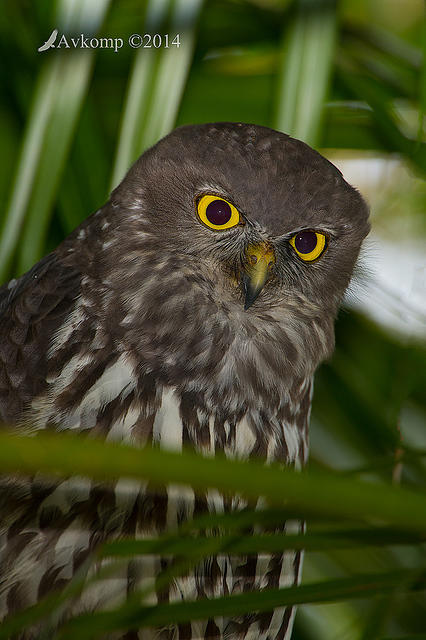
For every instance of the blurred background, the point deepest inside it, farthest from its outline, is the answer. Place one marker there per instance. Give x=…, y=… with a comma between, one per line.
x=347, y=77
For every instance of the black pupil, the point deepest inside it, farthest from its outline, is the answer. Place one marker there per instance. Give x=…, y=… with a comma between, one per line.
x=305, y=241
x=218, y=212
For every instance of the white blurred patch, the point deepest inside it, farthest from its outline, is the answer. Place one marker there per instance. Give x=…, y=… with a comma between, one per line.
x=391, y=288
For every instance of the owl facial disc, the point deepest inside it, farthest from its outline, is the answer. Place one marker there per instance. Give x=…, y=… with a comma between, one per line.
x=259, y=262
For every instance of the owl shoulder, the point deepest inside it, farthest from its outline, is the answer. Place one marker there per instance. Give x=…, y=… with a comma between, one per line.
x=32, y=308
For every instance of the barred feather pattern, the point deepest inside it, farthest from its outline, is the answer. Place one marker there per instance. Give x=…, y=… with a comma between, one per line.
x=134, y=330
x=53, y=528
x=49, y=530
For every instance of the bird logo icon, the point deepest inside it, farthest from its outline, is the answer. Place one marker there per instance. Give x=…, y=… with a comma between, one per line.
x=49, y=42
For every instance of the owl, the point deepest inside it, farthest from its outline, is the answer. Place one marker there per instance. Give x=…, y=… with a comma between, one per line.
x=190, y=311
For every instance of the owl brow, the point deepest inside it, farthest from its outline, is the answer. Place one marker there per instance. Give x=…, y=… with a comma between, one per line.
x=214, y=191
x=325, y=230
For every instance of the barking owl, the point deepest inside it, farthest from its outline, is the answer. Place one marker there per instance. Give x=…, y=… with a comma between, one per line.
x=190, y=311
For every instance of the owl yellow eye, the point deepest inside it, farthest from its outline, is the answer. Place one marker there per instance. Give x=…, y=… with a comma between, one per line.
x=309, y=245
x=217, y=213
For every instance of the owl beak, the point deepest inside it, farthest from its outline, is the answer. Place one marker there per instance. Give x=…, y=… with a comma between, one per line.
x=259, y=261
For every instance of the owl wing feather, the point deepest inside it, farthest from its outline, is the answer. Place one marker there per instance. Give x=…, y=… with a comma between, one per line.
x=32, y=308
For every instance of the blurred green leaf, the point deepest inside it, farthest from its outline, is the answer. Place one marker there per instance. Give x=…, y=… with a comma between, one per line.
x=306, y=61
x=370, y=91
x=156, y=83
x=379, y=613
x=417, y=636
x=130, y=617
x=58, y=97
x=248, y=545
x=422, y=110
x=320, y=494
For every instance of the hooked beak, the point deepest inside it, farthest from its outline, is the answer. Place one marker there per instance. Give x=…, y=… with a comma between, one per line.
x=259, y=262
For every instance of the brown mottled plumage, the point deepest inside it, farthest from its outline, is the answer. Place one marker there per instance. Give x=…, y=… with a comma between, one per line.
x=135, y=329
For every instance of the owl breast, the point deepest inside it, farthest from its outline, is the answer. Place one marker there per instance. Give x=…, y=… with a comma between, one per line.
x=116, y=406
x=178, y=422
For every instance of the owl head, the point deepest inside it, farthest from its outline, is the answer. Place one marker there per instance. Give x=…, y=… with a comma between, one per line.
x=251, y=205
x=234, y=230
